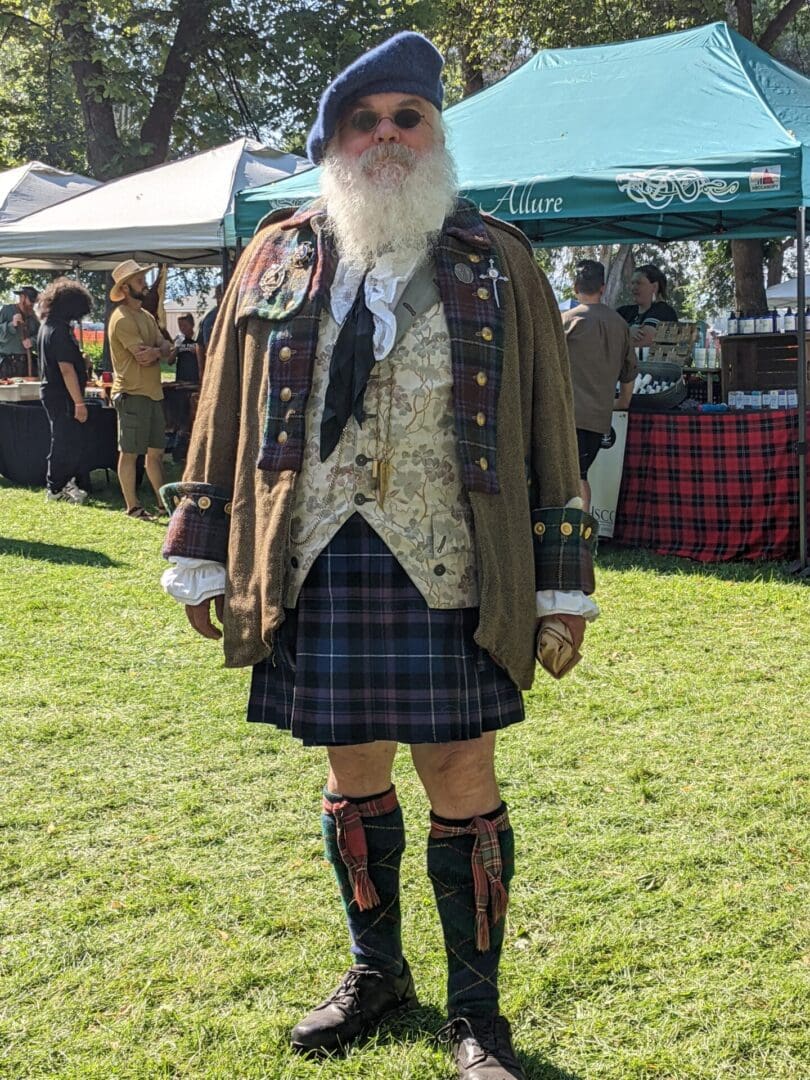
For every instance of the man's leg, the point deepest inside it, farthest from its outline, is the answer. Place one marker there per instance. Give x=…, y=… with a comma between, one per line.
x=154, y=470
x=470, y=863
x=126, y=478
x=364, y=838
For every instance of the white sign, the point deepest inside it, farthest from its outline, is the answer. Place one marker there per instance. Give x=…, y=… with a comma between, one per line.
x=605, y=475
x=657, y=188
x=767, y=179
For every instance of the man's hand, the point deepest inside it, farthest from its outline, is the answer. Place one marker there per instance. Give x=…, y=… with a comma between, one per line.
x=17, y=319
x=80, y=412
x=199, y=615
x=145, y=355
x=643, y=336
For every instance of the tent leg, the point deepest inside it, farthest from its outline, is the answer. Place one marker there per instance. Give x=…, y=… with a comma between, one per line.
x=801, y=567
x=226, y=268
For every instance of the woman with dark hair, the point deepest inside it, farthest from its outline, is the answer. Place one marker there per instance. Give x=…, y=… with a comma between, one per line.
x=63, y=375
x=649, y=289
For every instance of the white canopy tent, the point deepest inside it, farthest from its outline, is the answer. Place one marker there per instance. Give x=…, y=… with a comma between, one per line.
x=172, y=213
x=787, y=292
x=31, y=187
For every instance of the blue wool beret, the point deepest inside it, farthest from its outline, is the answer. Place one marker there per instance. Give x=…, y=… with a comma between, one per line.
x=407, y=63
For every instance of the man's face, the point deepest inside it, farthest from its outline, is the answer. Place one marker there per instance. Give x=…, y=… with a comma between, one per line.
x=137, y=287
x=26, y=305
x=354, y=138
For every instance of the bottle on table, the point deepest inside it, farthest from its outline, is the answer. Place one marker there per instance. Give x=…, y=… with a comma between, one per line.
x=790, y=321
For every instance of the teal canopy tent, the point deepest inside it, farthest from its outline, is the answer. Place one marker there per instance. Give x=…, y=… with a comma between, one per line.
x=686, y=136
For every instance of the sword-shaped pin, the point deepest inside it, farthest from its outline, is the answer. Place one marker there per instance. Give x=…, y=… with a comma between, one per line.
x=493, y=275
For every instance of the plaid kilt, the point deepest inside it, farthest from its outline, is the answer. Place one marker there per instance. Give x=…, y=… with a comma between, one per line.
x=362, y=657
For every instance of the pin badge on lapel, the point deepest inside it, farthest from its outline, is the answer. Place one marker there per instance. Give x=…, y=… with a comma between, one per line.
x=270, y=280
x=303, y=255
x=464, y=273
x=494, y=275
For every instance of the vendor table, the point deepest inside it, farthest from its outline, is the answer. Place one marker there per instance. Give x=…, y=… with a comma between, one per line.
x=711, y=487
x=25, y=440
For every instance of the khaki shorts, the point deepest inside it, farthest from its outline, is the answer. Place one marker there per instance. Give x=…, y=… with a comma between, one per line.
x=141, y=424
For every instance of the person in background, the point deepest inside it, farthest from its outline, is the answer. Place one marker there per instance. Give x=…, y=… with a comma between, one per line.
x=601, y=354
x=136, y=348
x=63, y=375
x=206, y=329
x=184, y=353
x=648, y=287
x=18, y=332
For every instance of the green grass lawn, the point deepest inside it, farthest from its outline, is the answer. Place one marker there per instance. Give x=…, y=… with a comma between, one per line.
x=165, y=910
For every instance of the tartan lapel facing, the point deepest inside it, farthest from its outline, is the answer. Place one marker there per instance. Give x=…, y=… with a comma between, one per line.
x=293, y=340
x=475, y=326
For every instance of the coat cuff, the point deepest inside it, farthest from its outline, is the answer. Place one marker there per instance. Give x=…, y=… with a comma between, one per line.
x=200, y=521
x=564, y=546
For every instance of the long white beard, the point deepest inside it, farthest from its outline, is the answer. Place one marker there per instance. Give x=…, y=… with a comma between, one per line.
x=388, y=199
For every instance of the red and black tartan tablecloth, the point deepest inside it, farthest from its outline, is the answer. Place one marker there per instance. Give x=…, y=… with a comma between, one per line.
x=711, y=486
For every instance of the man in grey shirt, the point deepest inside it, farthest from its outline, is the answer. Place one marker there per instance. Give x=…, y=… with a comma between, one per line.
x=601, y=354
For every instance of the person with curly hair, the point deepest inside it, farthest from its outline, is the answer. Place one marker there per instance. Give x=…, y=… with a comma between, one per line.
x=63, y=376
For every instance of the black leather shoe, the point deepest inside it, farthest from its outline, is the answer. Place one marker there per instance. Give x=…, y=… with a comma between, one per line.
x=356, y=1008
x=482, y=1048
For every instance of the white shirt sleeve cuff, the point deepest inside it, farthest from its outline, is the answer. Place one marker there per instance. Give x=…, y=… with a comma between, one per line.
x=193, y=581
x=556, y=602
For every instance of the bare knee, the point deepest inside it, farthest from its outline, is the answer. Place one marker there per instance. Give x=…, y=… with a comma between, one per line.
x=459, y=778
x=360, y=771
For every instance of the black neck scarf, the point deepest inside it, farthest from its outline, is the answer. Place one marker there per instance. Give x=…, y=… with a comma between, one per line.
x=349, y=369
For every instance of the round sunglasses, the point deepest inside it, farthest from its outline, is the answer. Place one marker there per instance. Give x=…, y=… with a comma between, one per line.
x=366, y=120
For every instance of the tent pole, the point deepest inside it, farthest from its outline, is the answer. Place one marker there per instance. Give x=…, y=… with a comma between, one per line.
x=226, y=268
x=801, y=365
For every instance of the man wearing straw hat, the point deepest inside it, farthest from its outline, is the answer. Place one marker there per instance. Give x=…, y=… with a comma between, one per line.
x=136, y=348
x=382, y=496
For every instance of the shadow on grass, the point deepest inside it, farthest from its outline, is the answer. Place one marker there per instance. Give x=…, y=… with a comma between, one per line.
x=615, y=557
x=55, y=553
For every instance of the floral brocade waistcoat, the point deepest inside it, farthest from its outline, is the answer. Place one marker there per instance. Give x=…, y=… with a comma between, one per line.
x=401, y=470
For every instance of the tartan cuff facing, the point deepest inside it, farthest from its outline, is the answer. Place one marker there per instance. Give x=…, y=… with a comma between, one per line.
x=564, y=546
x=200, y=521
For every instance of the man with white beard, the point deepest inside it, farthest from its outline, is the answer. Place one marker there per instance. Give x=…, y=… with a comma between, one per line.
x=381, y=497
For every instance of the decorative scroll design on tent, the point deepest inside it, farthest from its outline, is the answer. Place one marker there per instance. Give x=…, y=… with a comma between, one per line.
x=657, y=188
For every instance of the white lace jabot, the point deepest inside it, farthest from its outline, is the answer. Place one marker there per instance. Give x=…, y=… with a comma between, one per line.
x=385, y=284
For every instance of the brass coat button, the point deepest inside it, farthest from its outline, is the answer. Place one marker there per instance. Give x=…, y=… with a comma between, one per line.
x=486, y=334
x=285, y=394
x=481, y=378
x=474, y=257
x=587, y=533
x=566, y=528
x=539, y=528
x=483, y=464
x=480, y=419
x=284, y=353
x=203, y=502
x=282, y=437
x=483, y=294
x=228, y=509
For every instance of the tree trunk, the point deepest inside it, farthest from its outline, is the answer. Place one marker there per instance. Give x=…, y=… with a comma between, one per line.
x=471, y=72
x=776, y=260
x=749, y=285
x=619, y=272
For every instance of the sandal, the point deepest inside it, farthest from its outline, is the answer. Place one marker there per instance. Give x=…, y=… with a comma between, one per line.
x=140, y=514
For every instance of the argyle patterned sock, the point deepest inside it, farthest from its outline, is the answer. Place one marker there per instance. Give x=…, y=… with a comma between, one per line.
x=364, y=841
x=471, y=864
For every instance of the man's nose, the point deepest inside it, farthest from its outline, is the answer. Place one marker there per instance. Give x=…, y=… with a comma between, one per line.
x=387, y=131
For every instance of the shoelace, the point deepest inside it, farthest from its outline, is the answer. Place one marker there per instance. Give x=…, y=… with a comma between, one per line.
x=487, y=1033
x=346, y=993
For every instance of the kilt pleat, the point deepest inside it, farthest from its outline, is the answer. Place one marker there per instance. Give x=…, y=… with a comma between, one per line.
x=362, y=657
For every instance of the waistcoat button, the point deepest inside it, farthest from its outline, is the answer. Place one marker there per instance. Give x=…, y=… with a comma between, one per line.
x=480, y=419
x=486, y=333
x=282, y=437
x=294, y=562
x=286, y=393
x=360, y=498
x=439, y=570
x=284, y=353
x=481, y=378
x=361, y=460
x=483, y=464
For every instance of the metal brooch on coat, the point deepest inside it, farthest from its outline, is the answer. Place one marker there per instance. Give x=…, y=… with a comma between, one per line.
x=270, y=280
x=303, y=255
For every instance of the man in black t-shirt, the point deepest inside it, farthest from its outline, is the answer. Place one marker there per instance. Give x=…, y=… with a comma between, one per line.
x=185, y=352
x=63, y=376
